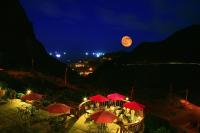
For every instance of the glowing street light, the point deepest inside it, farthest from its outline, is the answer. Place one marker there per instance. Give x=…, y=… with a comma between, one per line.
x=127, y=98
x=58, y=55
x=28, y=91
x=85, y=99
x=90, y=69
x=98, y=55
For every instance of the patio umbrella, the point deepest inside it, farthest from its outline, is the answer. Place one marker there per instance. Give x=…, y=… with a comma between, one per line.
x=103, y=117
x=116, y=97
x=58, y=108
x=32, y=96
x=98, y=98
x=134, y=106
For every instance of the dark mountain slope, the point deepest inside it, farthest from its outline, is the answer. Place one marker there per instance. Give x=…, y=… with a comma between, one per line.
x=19, y=48
x=150, y=70
x=182, y=46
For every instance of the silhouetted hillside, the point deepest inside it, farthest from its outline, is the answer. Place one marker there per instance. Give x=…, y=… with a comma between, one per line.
x=19, y=49
x=182, y=46
x=153, y=67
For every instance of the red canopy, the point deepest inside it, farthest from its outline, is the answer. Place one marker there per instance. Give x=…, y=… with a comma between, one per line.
x=98, y=98
x=115, y=97
x=32, y=96
x=103, y=117
x=134, y=106
x=58, y=108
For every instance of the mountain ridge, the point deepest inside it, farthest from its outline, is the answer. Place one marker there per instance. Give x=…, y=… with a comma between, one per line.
x=19, y=48
x=181, y=46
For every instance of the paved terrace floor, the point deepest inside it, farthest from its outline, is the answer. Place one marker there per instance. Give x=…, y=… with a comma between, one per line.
x=9, y=116
x=84, y=126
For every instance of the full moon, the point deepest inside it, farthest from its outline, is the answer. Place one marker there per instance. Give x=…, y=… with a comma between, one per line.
x=126, y=41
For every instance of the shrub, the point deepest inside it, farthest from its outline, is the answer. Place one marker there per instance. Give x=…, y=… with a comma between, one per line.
x=155, y=124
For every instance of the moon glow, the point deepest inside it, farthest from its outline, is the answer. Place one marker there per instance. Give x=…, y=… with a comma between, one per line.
x=126, y=41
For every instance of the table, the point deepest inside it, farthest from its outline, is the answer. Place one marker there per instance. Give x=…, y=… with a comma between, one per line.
x=81, y=127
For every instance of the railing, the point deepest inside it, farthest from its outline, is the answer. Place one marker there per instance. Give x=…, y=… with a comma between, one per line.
x=131, y=128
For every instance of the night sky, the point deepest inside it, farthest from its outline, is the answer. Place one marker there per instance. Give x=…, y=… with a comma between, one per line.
x=98, y=25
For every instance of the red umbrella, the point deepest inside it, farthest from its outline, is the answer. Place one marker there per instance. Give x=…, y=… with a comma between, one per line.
x=116, y=97
x=134, y=106
x=98, y=98
x=103, y=117
x=32, y=96
x=58, y=108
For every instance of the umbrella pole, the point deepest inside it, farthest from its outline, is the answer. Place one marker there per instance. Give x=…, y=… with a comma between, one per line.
x=101, y=126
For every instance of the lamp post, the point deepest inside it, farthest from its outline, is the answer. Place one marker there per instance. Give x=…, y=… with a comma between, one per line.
x=65, y=76
x=133, y=91
x=32, y=63
x=186, y=95
x=170, y=92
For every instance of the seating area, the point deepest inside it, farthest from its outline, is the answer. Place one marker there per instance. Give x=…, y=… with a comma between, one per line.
x=128, y=115
x=111, y=114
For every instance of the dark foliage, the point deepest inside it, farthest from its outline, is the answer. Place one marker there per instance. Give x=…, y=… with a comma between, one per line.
x=154, y=124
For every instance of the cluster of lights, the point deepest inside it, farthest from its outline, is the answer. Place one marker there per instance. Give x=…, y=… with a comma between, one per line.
x=78, y=65
x=98, y=54
x=57, y=54
x=85, y=73
x=60, y=54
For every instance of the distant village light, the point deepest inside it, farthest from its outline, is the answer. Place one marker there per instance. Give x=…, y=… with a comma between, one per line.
x=97, y=55
x=58, y=55
x=79, y=65
x=90, y=69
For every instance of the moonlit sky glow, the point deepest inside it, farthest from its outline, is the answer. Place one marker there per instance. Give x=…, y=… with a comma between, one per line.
x=80, y=25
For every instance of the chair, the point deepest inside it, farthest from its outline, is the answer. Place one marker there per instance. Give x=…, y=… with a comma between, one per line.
x=92, y=129
x=87, y=120
x=92, y=107
x=86, y=115
x=86, y=107
x=122, y=127
x=114, y=130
